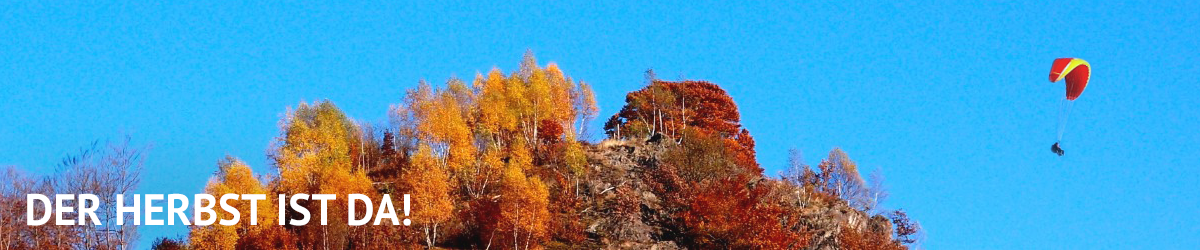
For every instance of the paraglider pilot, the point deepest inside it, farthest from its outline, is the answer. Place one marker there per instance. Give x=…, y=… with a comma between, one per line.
x=1056, y=149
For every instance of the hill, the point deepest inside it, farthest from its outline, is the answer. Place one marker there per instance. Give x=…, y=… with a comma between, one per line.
x=498, y=163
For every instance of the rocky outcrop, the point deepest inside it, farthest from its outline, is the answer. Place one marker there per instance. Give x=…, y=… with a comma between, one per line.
x=625, y=213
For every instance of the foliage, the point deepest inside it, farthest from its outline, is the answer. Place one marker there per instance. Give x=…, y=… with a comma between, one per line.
x=430, y=193
x=320, y=152
x=503, y=161
x=737, y=213
x=164, y=243
x=865, y=240
x=702, y=158
x=234, y=177
x=672, y=108
x=523, y=208
x=906, y=230
x=496, y=141
x=721, y=206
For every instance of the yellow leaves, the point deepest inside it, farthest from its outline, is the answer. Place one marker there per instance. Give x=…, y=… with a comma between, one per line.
x=524, y=200
x=443, y=122
x=524, y=205
x=520, y=155
x=485, y=139
x=233, y=177
x=518, y=105
x=316, y=154
x=494, y=111
x=538, y=94
x=573, y=154
x=315, y=145
x=431, y=190
x=214, y=237
x=454, y=131
x=560, y=95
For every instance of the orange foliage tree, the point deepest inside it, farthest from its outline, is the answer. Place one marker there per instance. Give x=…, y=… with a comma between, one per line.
x=319, y=152
x=234, y=177
x=523, y=207
x=430, y=192
x=484, y=135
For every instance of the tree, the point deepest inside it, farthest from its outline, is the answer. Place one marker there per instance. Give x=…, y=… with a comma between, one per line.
x=855, y=239
x=585, y=105
x=523, y=121
x=703, y=157
x=234, y=177
x=430, y=193
x=839, y=177
x=523, y=207
x=906, y=229
x=671, y=108
x=495, y=116
x=14, y=185
x=101, y=170
x=739, y=213
x=876, y=191
x=164, y=243
x=105, y=172
x=316, y=153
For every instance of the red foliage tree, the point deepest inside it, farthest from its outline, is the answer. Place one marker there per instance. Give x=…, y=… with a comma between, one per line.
x=906, y=230
x=866, y=240
x=670, y=108
x=738, y=213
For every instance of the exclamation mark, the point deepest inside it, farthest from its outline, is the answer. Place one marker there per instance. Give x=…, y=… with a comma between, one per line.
x=406, y=220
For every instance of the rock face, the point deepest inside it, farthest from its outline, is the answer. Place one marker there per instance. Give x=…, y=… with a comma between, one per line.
x=625, y=213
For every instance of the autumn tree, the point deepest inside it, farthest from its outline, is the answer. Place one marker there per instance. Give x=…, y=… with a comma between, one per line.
x=523, y=207
x=719, y=205
x=316, y=153
x=855, y=239
x=907, y=230
x=704, y=157
x=234, y=177
x=585, y=106
x=529, y=119
x=839, y=177
x=738, y=212
x=164, y=243
x=671, y=108
x=430, y=190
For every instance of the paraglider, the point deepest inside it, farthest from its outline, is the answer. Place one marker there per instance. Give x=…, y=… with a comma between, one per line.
x=1074, y=72
x=1057, y=150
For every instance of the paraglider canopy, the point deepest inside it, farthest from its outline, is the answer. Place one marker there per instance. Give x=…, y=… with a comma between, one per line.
x=1075, y=72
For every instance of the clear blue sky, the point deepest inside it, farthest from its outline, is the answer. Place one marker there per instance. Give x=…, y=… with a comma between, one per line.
x=951, y=101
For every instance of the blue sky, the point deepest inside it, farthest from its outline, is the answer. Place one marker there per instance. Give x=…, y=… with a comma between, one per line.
x=950, y=101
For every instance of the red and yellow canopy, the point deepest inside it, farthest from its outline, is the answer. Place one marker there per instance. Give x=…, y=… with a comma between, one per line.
x=1075, y=71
